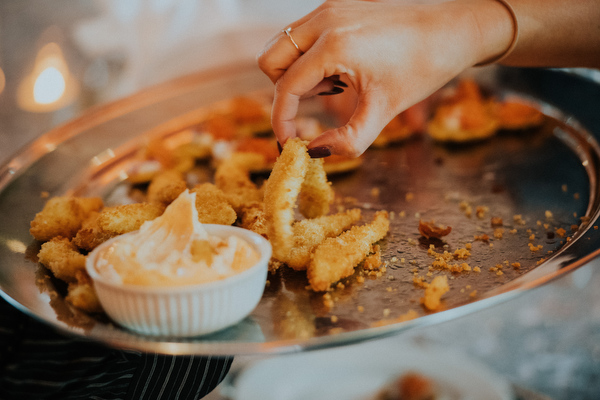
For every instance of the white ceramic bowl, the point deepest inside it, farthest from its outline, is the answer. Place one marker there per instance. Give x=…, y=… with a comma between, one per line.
x=186, y=310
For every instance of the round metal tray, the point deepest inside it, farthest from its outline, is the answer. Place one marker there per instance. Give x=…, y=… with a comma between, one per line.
x=551, y=170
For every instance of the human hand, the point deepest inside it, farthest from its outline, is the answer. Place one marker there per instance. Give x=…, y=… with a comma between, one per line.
x=392, y=54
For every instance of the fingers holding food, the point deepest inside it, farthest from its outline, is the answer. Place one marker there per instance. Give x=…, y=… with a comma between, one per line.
x=63, y=216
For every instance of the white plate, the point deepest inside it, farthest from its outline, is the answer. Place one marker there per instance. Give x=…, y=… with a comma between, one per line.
x=358, y=372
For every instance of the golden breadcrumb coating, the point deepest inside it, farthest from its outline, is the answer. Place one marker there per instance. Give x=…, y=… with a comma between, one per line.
x=253, y=218
x=63, y=258
x=128, y=217
x=309, y=233
x=316, y=194
x=165, y=187
x=91, y=235
x=233, y=178
x=337, y=257
x=63, y=216
x=281, y=192
x=212, y=205
x=434, y=292
x=81, y=294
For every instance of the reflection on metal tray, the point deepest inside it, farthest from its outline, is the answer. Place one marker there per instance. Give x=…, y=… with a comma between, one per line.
x=548, y=177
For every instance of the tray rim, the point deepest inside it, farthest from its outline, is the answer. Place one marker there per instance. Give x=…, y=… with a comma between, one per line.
x=47, y=142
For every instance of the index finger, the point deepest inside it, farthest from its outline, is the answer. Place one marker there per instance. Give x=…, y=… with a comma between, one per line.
x=297, y=82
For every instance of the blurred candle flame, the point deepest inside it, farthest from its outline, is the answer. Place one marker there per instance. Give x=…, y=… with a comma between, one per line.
x=2, y=80
x=50, y=86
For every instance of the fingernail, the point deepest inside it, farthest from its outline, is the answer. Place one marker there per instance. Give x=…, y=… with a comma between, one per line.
x=319, y=152
x=279, y=147
x=340, y=83
x=335, y=90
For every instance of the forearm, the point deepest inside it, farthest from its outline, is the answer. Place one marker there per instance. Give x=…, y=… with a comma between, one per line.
x=557, y=33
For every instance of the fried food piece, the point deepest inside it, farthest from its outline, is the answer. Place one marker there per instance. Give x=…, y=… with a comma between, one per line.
x=250, y=115
x=62, y=257
x=212, y=205
x=253, y=218
x=165, y=187
x=410, y=385
x=219, y=127
x=429, y=229
x=335, y=164
x=316, y=194
x=267, y=147
x=395, y=131
x=281, y=192
x=464, y=117
x=81, y=294
x=516, y=115
x=337, y=257
x=128, y=217
x=233, y=178
x=195, y=150
x=373, y=260
x=90, y=235
x=63, y=216
x=434, y=292
x=309, y=233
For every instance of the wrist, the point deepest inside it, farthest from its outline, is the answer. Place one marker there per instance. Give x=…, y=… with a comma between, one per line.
x=499, y=30
x=493, y=29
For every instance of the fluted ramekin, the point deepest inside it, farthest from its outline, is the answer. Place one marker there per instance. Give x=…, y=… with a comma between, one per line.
x=185, y=311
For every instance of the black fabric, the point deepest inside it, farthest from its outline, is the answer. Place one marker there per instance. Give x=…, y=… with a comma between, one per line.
x=37, y=362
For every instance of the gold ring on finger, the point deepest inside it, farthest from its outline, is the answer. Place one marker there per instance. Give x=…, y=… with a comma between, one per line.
x=288, y=33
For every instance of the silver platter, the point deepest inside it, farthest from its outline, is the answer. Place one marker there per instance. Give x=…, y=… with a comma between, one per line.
x=554, y=168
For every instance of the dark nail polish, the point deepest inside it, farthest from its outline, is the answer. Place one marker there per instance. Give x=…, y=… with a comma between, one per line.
x=279, y=147
x=319, y=152
x=335, y=90
x=340, y=83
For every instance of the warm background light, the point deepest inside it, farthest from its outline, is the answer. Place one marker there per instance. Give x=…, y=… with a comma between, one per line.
x=2, y=80
x=50, y=86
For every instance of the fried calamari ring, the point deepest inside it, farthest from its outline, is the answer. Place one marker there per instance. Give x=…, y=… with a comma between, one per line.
x=337, y=257
x=316, y=193
x=281, y=191
x=309, y=233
